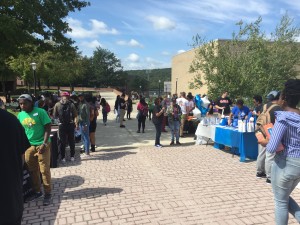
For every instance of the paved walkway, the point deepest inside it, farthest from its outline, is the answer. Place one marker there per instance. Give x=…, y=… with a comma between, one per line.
x=128, y=181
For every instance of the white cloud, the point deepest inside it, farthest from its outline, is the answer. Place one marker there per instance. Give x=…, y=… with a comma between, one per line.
x=92, y=44
x=162, y=23
x=133, y=57
x=96, y=28
x=131, y=43
x=165, y=53
x=180, y=51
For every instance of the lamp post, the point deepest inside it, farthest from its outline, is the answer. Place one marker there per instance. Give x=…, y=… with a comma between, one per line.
x=176, y=86
x=33, y=65
x=159, y=88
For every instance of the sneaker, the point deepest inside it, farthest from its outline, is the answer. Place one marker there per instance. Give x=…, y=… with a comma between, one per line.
x=158, y=146
x=260, y=175
x=138, y=131
x=72, y=159
x=47, y=199
x=172, y=143
x=33, y=197
x=63, y=160
x=84, y=155
x=268, y=181
x=82, y=146
x=178, y=143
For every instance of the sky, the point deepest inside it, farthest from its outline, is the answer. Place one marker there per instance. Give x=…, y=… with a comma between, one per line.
x=146, y=34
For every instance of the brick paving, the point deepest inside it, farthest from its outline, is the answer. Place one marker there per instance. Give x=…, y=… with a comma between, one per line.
x=135, y=183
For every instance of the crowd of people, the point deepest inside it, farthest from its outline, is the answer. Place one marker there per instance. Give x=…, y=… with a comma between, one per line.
x=28, y=137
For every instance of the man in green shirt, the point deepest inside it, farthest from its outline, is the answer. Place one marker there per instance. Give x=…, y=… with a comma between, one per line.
x=37, y=125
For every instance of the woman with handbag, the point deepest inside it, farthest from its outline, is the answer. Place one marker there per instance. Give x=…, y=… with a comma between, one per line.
x=286, y=167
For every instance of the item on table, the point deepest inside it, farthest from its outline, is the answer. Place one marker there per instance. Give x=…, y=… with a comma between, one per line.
x=250, y=125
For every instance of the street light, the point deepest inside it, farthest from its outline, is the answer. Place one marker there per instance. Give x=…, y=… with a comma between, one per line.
x=159, y=88
x=33, y=65
x=176, y=86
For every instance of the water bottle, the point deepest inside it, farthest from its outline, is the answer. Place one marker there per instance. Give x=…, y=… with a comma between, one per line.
x=240, y=123
x=250, y=127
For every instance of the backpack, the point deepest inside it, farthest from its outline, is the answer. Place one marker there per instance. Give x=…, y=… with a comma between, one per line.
x=65, y=113
x=107, y=107
x=145, y=110
x=264, y=118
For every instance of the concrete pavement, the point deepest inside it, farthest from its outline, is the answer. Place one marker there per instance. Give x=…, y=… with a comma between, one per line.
x=128, y=181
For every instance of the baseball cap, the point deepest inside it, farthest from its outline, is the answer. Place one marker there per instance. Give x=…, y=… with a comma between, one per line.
x=25, y=96
x=273, y=95
x=65, y=94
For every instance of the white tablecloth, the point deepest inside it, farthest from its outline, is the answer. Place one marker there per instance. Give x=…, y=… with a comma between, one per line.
x=204, y=133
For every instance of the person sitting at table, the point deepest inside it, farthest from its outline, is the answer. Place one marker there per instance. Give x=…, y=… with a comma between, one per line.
x=37, y=125
x=240, y=111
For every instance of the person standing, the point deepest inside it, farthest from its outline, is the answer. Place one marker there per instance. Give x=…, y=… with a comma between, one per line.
x=83, y=123
x=286, y=167
x=117, y=108
x=142, y=108
x=13, y=145
x=122, y=106
x=165, y=103
x=37, y=125
x=265, y=159
x=258, y=106
x=105, y=110
x=151, y=106
x=184, y=104
x=93, y=121
x=66, y=112
x=223, y=104
x=129, y=107
x=174, y=114
x=191, y=105
x=158, y=113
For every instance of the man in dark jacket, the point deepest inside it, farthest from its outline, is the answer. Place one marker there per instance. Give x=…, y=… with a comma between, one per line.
x=66, y=112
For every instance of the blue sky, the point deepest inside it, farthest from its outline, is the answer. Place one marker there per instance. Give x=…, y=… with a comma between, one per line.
x=146, y=34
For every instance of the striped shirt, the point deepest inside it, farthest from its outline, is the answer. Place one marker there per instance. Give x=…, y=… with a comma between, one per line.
x=286, y=130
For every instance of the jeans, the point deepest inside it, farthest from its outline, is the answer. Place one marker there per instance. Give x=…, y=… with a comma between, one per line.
x=66, y=132
x=174, y=126
x=39, y=163
x=84, y=130
x=141, y=121
x=104, y=114
x=158, y=133
x=285, y=177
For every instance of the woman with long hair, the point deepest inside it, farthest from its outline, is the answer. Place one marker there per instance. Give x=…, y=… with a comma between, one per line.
x=117, y=108
x=286, y=167
x=142, y=108
x=158, y=114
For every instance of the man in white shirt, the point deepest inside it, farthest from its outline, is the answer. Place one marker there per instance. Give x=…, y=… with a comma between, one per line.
x=184, y=105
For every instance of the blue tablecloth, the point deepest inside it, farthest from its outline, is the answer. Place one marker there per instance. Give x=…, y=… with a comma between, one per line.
x=245, y=143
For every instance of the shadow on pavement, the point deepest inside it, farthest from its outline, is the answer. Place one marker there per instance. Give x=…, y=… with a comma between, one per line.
x=62, y=190
x=109, y=156
x=117, y=149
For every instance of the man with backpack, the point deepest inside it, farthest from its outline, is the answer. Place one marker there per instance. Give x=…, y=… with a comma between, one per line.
x=66, y=112
x=264, y=159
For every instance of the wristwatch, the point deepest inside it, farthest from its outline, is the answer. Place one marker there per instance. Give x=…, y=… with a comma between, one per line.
x=45, y=144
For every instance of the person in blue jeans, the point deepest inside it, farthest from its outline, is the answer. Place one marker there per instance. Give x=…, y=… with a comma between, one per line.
x=84, y=123
x=104, y=104
x=286, y=167
x=174, y=115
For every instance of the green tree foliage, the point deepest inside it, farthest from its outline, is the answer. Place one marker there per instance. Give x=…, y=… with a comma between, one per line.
x=31, y=23
x=251, y=63
x=106, y=69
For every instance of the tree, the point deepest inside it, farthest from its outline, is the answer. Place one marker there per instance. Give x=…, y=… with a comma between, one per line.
x=31, y=23
x=250, y=63
x=107, y=69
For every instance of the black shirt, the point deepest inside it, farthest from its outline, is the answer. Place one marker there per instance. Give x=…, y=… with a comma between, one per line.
x=13, y=144
x=224, y=102
x=122, y=103
x=259, y=108
x=155, y=119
